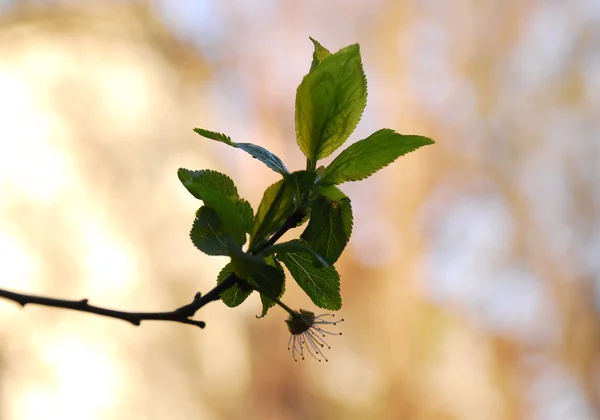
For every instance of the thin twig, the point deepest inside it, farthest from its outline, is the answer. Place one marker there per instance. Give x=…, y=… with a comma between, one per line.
x=215, y=294
x=82, y=305
x=291, y=222
x=181, y=315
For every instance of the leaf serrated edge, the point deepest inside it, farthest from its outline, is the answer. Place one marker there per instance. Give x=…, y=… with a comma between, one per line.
x=326, y=183
x=213, y=135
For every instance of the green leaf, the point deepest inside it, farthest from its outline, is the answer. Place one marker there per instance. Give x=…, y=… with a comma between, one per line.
x=215, y=190
x=207, y=233
x=207, y=178
x=332, y=192
x=319, y=54
x=276, y=205
x=302, y=182
x=294, y=246
x=213, y=135
x=271, y=279
x=235, y=295
x=264, y=273
x=330, y=226
x=245, y=264
x=246, y=213
x=329, y=103
x=257, y=152
x=266, y=157
x=279, y=201
x=322, y=285
x=367, y=156
x=228, y=213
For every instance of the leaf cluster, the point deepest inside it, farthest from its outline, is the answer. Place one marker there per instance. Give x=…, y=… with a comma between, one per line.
x=329, y=103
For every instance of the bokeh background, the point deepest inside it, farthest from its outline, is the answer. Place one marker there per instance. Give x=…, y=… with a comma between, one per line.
x=471, y=285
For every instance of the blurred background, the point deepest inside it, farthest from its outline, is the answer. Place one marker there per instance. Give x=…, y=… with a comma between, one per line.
x=471, y=285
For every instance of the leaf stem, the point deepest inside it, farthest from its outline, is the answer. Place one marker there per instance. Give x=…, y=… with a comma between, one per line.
x=291, y=222
x=277, y=301
x=285, y=307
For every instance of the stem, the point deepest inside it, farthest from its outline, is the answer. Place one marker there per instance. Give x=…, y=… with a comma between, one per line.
x=82, y=305
x=214, y=294
x=181, y=315
x=285, y=307
x=277, y=301
x=291, y=222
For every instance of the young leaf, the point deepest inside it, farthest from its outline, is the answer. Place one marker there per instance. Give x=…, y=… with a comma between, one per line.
x=367, y=156
x=257, y=152
x=319, y=54
x=322, y=285
x=329, y=103
x=211, y=188
x=295, y=246
x=274, y=279
x=266, y=157
x=246, y=213
x=213, y=179
x=264, y=273
x=235, y=295
x=278, y=203
x=332, y=192
x=227, y=211
x=213, y=135
x=302, y=182
x=330, y=226
x=207, y=233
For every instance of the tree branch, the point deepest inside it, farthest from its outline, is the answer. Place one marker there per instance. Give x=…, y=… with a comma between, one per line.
x=291, y=222
x=82, y=305
x=181, y=315
x=199, y=301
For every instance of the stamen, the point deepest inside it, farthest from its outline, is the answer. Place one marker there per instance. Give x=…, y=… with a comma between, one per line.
x=294, y=349
x=319, y=340
x=314, y=346
x=308, y=347
x=322, y=331
x=298, y=346
x=319, y=319
x=301, y=342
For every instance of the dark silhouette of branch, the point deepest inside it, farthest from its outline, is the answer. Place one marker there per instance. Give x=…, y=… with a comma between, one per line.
x=82, y=305
x=199, y=301
x=182, y=315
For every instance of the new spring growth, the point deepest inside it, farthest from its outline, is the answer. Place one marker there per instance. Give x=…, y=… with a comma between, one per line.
x=329, y=103
x=330, y=100
x=306, y=332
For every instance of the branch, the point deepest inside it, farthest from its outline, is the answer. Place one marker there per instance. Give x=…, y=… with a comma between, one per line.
x=291, y=222
x=199, y=301
x=82, y=305
x=181, y=315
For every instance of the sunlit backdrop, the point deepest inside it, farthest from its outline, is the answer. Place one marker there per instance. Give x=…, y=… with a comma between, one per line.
x=471, y=285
